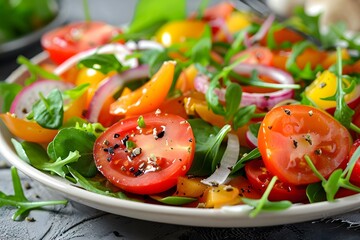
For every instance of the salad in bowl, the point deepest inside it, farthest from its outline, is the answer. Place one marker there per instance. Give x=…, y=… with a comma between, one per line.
x=207, y=110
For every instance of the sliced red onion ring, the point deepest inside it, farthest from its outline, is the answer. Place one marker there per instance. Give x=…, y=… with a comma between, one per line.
x=263, y=101
x=263, y=29
x=228, y=160
x=221, y=24
x=143, y=45
x=120, y=51
x=24, y=101
x=110, y=86
x=251, y=139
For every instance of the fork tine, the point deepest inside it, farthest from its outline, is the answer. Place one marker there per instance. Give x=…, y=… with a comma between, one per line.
x=256, y=6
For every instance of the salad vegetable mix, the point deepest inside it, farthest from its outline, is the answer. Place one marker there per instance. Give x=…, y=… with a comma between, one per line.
x=211, y=109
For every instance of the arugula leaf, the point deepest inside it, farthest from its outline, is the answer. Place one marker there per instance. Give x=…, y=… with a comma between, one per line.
x=200, y=51
x=243, y=116
x=150, y=15
x=35, y=71
x=75, y=92
x=232, y=100
x=173, y=200
x=70, y=140
x=8, y=92
x=18, y=200
x=103, y=63
x=48, y=112
x=94, y=186
x=253, y=154
x=343, y=113
x=154, y=58
x=208, y=150
x=307, y=73
x=263, y=204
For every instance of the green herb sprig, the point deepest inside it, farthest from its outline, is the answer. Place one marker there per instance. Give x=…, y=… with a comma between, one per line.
x=18, y=200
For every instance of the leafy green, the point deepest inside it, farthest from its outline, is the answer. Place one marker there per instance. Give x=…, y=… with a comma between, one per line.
x=94, y=186
x=35, y=71
x=263, y=204
x=8, y=92
x=36, y=155
x=339, y=178
x=103, y=63
x=141, y=122
x=208, y=141
x=200, y=51
x=343, y=113
x=154, y=58
x=243, y=116
x=150, y=15
x=315, y=192
x=253, y=154
x=76, y=92
x=70, y=140
x=173, y=200
x=306, y=73
x=48, y=111
x=19, y=200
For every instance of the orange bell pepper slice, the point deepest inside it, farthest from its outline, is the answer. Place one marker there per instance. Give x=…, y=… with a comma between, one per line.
x=27, y=130
x=149, y=97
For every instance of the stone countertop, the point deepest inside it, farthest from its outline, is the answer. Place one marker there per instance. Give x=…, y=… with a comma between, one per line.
x=76, y=221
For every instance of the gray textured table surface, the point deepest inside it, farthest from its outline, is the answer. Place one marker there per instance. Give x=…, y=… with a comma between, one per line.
x=76, y=221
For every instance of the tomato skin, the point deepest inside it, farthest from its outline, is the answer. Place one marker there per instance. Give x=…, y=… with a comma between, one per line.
x=27, y=130
x=66, y=41
x=160, y=161
x=355, y=175
x=255, y=55
x=288, y=133
x=260, y=178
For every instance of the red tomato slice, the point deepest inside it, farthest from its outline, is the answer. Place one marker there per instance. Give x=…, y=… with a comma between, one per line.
x=260, y=178
x=256, y=55
x=64, y=42
x=163, y=151
x=288, y=133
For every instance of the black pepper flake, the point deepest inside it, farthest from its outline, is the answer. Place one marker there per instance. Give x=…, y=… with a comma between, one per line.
x=116, y=135
x=125, y=139
x=132, y=169
x=108, y=159
x=117, y=234
x=287, y=111
x=160, y=134
x=269, y=127
x=138, y=173
x=190, y=140
x=295, y=144
x=308, y=139
x=322, y=85
x=30, y=219
x=106, y=142
x=318, y=151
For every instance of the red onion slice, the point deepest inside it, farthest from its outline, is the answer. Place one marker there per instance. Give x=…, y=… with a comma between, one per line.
x=119, y=50
x=221, y=24
x=24, y=101
x=110, y=86
x=228, y=160
x=263, y=101
x=263, y=29
x=251, y=139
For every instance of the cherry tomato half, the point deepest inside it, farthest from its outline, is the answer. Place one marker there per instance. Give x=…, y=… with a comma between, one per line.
x=66, y=41
x=256, y=55
x=288, y=133
x=355, y=175
x=146, y=160
x=260, y=178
